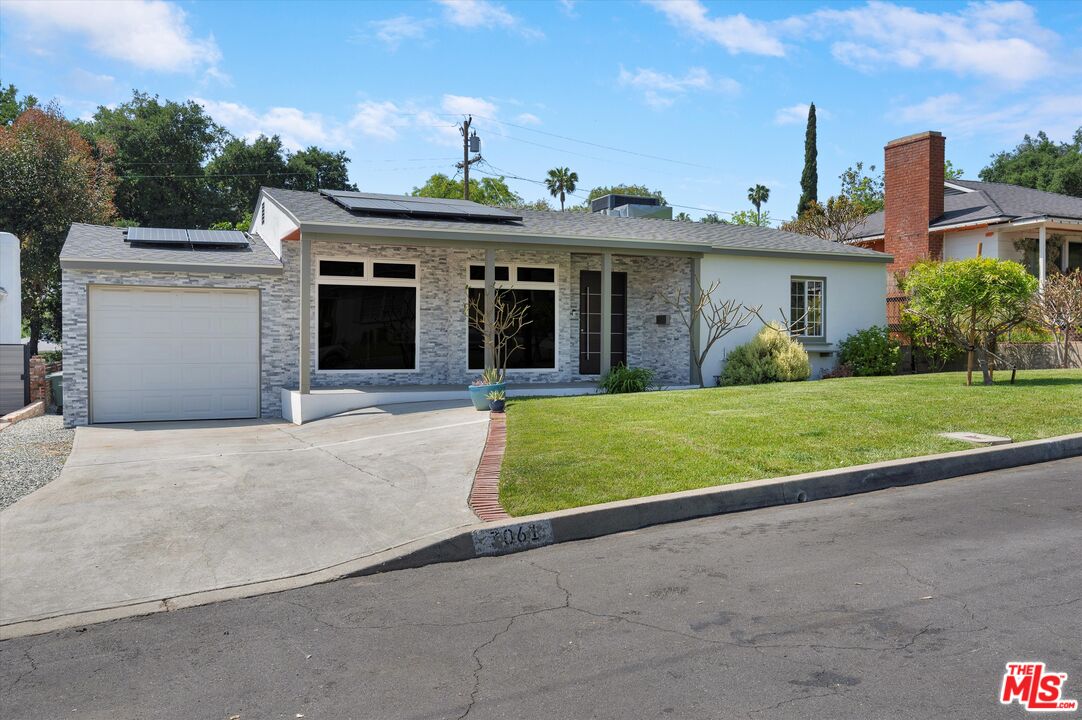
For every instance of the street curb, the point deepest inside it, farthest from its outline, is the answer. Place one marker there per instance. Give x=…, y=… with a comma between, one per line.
x=467, y=542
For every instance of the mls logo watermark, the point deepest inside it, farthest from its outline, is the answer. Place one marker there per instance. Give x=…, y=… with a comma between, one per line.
x=1028, y=684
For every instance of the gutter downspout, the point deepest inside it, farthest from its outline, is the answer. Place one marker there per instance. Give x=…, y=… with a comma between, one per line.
x=305, y=320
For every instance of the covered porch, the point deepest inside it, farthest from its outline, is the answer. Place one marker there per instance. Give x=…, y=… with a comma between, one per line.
x=1043, y=244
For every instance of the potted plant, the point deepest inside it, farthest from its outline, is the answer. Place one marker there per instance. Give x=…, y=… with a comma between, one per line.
x=500, y=339
x=496, y=400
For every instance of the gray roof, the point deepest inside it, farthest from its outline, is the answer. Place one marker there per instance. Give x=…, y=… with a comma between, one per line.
x=90, y=245
x=990, y=201
x=316, y=212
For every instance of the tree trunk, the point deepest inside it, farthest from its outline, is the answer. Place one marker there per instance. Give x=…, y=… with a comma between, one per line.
x=35, y=336
x=986, y=372
x=969, y=367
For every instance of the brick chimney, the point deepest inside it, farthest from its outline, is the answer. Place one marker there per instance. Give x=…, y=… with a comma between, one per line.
x=913, y=177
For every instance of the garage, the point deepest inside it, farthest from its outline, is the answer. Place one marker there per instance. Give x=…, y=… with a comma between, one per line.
x=167, y=353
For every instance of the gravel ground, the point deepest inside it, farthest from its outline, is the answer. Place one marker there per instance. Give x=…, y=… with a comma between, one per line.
x=32, y=453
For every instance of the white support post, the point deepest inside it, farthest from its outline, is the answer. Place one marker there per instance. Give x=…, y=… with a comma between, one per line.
x=1063, y=254
x=305, y=324
x=1042, y=256
x=490, y=305
x=606, y=312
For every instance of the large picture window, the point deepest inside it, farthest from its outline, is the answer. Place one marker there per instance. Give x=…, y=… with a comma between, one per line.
x=536, y=289
x=806, y=307
x=367, y=315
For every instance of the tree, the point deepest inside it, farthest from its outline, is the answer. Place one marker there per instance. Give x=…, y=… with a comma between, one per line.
x=560, y=182
x=1058, y=309
x=11, y=106
x=747, y=217
x=639, y=190
x=758, y=195
x=50, y=177
x=862, y=190
x=161, y=147
x=809, y=179
x=700, y=311
x=970, y=302
x=489, y=191
x=682, y=217
x=952, y=173
x=712, y=219
x=1040, y=164
x=508, y=318
x=240, y=169
x=838, y=220
x=316, y=169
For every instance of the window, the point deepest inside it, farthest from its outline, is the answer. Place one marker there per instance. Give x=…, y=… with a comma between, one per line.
x=367, y=315
x=806, y=306
x=536, y=288
x=1074, y=255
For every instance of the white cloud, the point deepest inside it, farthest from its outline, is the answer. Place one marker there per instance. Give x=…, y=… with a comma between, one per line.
x=297, y=128
x=798, y=114
x=997, y=40
x=149, y=34
x=393, y=31
x=466, y=105
x=1056, y=113
x=379, y=119
x=527, y=119
x=568, y=8
x=661, y=89
x=736, y=33
x=474, y=14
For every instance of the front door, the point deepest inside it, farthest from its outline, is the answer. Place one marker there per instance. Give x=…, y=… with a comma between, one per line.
x=590, y=321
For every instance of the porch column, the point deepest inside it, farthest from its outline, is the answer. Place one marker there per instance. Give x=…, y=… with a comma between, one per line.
x=1042, y=256
x=606, y=312
x=1063, y=257
x=305, y=324
x=490, y=305
x=695, y=330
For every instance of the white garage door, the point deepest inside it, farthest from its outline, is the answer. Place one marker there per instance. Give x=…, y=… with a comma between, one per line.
x=173, y=354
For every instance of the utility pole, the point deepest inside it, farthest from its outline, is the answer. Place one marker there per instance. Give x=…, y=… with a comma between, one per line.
x=470, y=143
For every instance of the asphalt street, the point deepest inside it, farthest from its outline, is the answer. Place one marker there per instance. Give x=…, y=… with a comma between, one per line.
x=906, y=603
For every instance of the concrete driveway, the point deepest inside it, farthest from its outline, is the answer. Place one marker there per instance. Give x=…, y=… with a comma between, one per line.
x=152, y=512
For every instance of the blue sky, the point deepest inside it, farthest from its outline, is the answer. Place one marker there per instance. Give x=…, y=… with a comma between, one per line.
x=704, y=99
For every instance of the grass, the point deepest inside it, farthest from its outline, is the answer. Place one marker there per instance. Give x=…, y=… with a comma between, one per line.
x=570, y=451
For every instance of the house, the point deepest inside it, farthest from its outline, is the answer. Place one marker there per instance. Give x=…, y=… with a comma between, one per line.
x=339, y=300
x=12, y=385
x=929, y=217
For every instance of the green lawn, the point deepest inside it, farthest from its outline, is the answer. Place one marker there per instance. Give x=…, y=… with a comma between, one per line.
x=572, y=451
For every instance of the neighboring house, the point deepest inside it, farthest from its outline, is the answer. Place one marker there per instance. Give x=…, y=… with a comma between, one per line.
x=12, y=384
x=338, y=300
x=929, y=217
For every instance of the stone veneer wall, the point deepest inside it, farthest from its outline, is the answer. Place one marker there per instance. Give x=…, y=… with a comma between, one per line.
x=278, y=349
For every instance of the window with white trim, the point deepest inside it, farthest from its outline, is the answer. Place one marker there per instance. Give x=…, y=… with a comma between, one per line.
x=807, y=306
x=535, y=286
x=366, y=314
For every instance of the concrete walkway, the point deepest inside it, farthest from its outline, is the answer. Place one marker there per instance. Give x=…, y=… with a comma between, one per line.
x=152, y=511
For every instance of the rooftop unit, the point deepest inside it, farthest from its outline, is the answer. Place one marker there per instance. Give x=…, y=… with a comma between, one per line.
x=634, y=206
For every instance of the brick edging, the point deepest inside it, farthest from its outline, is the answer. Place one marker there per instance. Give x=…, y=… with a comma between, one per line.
x=485, y=493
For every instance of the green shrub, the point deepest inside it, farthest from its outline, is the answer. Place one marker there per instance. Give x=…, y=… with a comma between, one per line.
x=772, y=356
x=623, y=379
x=871, y=351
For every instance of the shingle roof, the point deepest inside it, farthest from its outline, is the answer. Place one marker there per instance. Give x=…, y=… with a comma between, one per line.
x=106, y=244
x=310, y=208
x=988, y=201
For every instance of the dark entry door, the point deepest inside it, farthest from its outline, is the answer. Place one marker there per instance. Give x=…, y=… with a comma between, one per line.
x=590, y=321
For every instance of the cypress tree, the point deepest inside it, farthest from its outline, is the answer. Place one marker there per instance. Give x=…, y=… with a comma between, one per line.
x=809, y=179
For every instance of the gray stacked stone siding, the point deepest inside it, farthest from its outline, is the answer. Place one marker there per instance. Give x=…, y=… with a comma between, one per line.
x=278, y=343
x=443, y=331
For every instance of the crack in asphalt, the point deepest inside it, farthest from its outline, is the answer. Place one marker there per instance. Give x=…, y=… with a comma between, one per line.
x=481, y=666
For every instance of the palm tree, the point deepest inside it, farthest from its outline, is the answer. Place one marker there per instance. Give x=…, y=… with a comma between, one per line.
x=560, y=182
x=758, y=195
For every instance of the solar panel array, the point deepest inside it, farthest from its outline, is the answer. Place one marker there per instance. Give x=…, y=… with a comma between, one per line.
x=377, y=204
x=193, y=238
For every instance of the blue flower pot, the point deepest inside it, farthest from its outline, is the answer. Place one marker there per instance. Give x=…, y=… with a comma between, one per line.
x=478, y=394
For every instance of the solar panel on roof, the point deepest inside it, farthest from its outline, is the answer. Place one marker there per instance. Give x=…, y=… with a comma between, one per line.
x=416, y=206
x=230, y=238
x=158, y=236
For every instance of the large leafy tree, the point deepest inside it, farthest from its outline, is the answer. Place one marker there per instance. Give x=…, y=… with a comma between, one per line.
x=809, y=179
x=560, y=182
x=50, y=177
x=970, y=302
x=747, y=217
x=161, y=148
x=487, y=191
x=862, y=189
x=11, y=106
x=640, y=190
x=240, y=169
x=1040, y=164
x=316, y=169
x=758, y=194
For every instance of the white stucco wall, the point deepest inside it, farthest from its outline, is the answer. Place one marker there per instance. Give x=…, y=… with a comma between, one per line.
x=855, y=298
x=271, y=224
x=11, y=301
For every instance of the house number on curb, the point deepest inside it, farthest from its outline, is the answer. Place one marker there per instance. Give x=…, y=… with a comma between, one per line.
x=512, y=538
